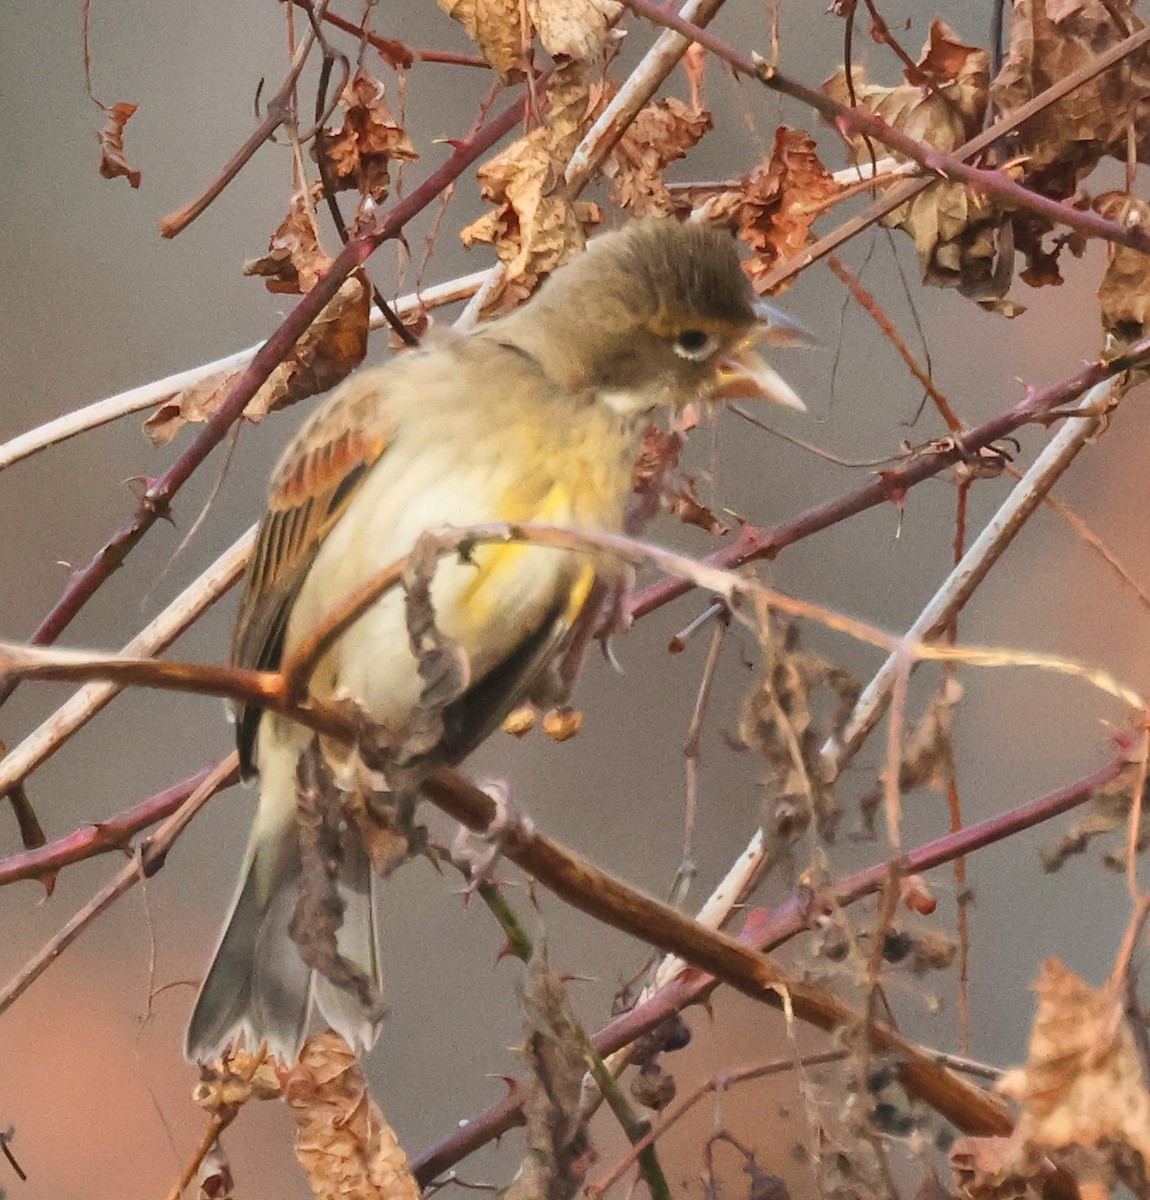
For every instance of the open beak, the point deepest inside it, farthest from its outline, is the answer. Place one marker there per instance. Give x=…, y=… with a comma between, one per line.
x=746, y=374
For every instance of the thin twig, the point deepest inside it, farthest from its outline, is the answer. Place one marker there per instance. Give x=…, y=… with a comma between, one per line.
x=145, y=862
x=279, y=111
x=101, y=837
x=892, y=485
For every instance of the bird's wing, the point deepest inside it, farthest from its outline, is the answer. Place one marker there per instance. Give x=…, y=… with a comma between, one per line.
x=310, y=489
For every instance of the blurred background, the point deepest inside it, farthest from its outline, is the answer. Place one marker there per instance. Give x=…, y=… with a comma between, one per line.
x=91, y=1074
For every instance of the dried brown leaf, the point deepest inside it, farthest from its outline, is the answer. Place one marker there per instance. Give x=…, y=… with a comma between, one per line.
x=990, y=1168
x=661, y=134
x=294, y=261
x=113, y=164
x=343, y=1140
x=573, y=29
x=535, y=225
x=1083, y=1083
x=1050, y=39
x=496, y=29
x=333, y=346
x=928, y=752
x=558, y=1149
x=368, y=139
x=781, y=201
x=1124, y=294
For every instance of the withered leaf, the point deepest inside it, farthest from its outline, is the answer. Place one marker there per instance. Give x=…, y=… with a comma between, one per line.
x=333, y=346
x=1124, y=294
x=495, y=27
x=1082, y=1084
x=945, y=113
x=367, y=140
x=535, y=225
x=294, y=260
x=662, y=133
x=343, y=1140
x=781, y=200
x=113, y=164
x=558, y=1149
x=573, y=29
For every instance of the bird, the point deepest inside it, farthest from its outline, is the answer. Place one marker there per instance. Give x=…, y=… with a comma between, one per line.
x=534, y=416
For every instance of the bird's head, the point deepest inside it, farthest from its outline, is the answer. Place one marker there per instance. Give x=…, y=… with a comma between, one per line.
x=657, y=314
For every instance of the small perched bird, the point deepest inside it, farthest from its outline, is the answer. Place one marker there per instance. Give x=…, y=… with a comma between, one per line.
x=534, y=417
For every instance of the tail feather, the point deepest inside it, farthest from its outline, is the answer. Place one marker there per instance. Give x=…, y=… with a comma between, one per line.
x=258, y=987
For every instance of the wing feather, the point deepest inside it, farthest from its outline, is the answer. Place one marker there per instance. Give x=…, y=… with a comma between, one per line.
x=310, y=490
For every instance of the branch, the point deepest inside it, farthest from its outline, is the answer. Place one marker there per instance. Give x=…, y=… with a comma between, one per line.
x=766, y=931
x=156, y=500
x=858, y=121
x=149, y=395
x=111, y=833
x=147, y=861
x=153, y=639
x=731, y=961
x=892, y=485
x=975, y=565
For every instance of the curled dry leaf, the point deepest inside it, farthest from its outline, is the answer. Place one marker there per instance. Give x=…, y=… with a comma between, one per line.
x=333, y=345
x=558, y=1149
x=1083, y=1083
x=496, y=28
x=368, y=139
x=294, y=261
x=775, y=205
x=661, y=134
x=573, y=29
x=343, y=1140
x=535, y=225
x=1059, y=146
x=214, y=1177
x=955, y=230
x=1124, y=294
x=113, y=164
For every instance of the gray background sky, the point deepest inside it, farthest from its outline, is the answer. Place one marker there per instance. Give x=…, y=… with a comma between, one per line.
x=95, y=302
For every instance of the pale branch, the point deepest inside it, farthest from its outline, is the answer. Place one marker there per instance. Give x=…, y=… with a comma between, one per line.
x=157, y=498
x=150, y=395
x=101, y=837
x=940, y=164
x=998, y=533
x=37, y=746
x=148, y=859
x=768, y=930
x=587, y=157
x=891, y=485
x=634, y=93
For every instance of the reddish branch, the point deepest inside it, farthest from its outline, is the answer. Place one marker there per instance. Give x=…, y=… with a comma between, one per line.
x=112, y=833
x=892, y=485
x=862, y=123
x=156, y=500
x=766, y=930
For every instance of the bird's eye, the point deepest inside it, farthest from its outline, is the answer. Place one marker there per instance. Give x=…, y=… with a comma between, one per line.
x=695, y=344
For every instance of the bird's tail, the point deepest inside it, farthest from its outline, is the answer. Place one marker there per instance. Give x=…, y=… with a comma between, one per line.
x=258, y=985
